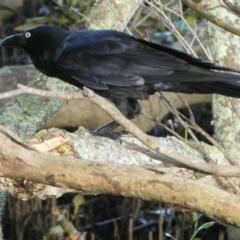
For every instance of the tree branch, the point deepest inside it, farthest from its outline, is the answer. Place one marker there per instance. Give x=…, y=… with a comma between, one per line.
x=147, y=140
x=92, y=177
x=224, y=24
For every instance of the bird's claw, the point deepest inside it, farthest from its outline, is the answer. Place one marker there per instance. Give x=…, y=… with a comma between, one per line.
x=112, y=135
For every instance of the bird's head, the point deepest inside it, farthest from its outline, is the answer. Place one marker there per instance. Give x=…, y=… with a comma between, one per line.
x=35, y=39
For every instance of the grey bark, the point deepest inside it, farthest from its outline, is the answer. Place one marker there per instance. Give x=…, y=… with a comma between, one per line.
x=225, y=50
x=24, y=115
x=112, y=14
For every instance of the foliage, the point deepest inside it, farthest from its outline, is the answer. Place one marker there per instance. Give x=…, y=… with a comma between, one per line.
x=196, y=228
x=61, y=14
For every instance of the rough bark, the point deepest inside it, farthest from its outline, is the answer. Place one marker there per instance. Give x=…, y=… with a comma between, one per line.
x=24, y=115
x=225, y=49
x=112, y=14
x=87, y=171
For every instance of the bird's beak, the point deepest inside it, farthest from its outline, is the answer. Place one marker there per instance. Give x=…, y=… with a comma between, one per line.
x=12, y=41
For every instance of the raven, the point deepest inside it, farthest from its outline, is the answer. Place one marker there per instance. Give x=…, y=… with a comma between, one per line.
x=121, y=67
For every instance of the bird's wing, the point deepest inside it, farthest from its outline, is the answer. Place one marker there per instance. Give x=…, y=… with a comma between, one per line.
x=97, y=59
x=112, y=59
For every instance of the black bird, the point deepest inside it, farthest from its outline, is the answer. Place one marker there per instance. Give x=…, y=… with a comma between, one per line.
x=120, y=67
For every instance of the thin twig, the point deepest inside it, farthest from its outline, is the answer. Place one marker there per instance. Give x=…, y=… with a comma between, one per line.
x=193, y=125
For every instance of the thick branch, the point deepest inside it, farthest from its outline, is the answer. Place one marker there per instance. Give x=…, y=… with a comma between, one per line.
x=112, y=178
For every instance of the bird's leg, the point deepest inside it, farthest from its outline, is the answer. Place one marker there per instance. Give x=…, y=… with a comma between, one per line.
x=129, y=108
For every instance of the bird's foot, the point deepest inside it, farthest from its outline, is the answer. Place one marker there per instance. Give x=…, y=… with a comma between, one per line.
x=107, y=131
x=112, y=135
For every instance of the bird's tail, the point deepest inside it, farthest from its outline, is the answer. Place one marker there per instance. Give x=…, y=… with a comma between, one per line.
x=227, y=88
x=220, y=83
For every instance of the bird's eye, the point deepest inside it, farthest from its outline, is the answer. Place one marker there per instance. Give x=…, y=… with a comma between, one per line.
x=27, y=34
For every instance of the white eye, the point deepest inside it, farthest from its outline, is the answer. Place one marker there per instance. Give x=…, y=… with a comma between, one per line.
x=27, y=34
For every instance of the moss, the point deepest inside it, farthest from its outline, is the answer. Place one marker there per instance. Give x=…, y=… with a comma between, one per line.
x=25, y=114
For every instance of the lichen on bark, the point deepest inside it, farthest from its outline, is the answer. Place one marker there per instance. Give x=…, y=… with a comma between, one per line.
x=225, y=48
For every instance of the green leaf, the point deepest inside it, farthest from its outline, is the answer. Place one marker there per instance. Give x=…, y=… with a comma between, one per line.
x=57, y=230
x=32, y=23
x=24, y=27
x=195, y=220
x=206, y=225
x=191, y=19
x=72, y=3
x=58, y=2
x=78, y=200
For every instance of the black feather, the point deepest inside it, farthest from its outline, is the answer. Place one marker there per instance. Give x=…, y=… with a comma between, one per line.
x=121, y=67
